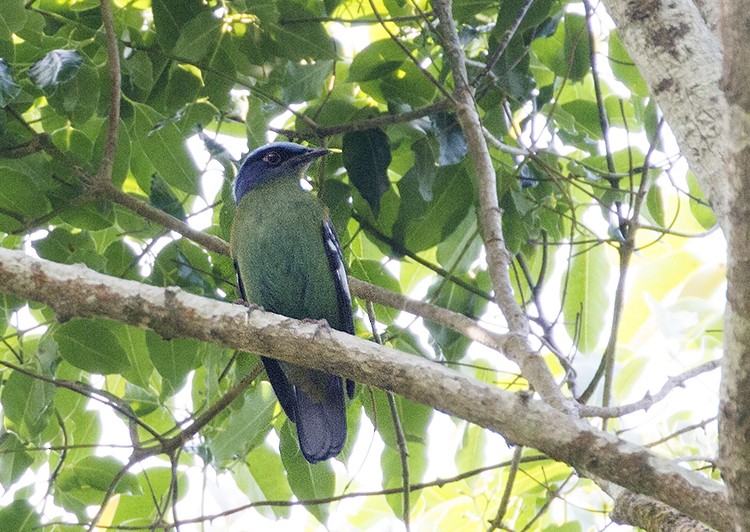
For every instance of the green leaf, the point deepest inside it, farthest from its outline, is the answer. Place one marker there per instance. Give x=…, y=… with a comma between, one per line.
x=166, y=149
x=171, y=15
x=12, y=19
x=98, y=473
x=305, y=82
x=366, y=155
x=247, y=426
x=466, y=10
x=182, y=263
x=586, y=301
x=14, y=460
x=698, y=205
x=70, y=248
x=577, y=48
x=56, y=67
x=425, y=222
x=374, y=272
x=450, y=344
x=199, y=37
x=390, y=463
x=19, y=516
x=78, y=98
x=308, y=481
x=20, y=198
x=414, y=418
x=162, y=197
x=90, y=345
x=623, y=67
x=9, y=89
x=300, y=40
x=173, y=359
x=27, y=404
x=133, y=342
x=655, y=204
x=376, y=60
x=266, y=467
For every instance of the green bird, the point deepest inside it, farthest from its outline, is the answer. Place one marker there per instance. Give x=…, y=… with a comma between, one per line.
x=289, y=261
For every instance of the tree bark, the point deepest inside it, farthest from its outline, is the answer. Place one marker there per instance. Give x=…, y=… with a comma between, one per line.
x=734, y=410
x=676, y=49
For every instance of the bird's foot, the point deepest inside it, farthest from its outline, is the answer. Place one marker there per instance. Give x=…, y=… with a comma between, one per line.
x=250, y=306
x=322, y=325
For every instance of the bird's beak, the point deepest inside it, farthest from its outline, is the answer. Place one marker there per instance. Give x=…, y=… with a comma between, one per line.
x=311, y=154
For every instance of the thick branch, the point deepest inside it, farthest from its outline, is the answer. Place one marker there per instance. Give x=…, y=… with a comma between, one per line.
x=679, y=56
x=734, y=417
x=77, y=291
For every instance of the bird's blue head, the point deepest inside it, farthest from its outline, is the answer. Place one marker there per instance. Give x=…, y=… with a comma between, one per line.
x=280, y=159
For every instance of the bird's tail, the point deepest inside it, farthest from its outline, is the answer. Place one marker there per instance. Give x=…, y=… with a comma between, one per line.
x=321, y=426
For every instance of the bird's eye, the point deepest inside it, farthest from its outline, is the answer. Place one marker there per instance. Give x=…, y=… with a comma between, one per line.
x=272, y=158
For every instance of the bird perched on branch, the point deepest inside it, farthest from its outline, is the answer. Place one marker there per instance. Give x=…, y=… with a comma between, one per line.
x=288, y=261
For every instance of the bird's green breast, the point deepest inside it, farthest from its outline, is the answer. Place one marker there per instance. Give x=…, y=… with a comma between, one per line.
x=277, y=243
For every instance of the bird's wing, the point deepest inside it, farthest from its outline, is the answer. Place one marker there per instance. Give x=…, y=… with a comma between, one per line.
x=338, y=270
x=343, y=296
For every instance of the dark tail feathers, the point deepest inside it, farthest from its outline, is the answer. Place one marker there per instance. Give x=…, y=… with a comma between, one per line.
x=321, y=427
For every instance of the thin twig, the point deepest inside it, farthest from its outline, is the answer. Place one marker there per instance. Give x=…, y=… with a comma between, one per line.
x=403, y=450
x=505, y=500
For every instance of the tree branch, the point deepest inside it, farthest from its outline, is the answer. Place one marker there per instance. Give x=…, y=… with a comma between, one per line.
x=171, y=312
x=532, y=366
x=670, y=42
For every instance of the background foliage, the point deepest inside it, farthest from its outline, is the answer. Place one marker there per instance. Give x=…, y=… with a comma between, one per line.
x=589, y=182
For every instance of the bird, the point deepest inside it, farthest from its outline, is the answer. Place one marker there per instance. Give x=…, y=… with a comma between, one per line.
x=289, y=261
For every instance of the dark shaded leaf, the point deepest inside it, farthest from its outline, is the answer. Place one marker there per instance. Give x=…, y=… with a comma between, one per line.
x=171, y=15
x=246, y=427
x=162, y=197
x=452, y=142
x=366, y=155
x=450, y=344
x=166, y=149
x=305, y=82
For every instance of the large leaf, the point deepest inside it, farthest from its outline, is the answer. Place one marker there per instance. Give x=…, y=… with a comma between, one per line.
x=171, y=15
x=93, y=475
x=247, y=426
x=70, y=248
x=378, y=59
x=308, y=481
x=27, y=404
x=173, y=359
x=19, y=515
x=586, y=298
x=165, y=148
x=366, y=156
x=14, y=460
x=89, y=344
